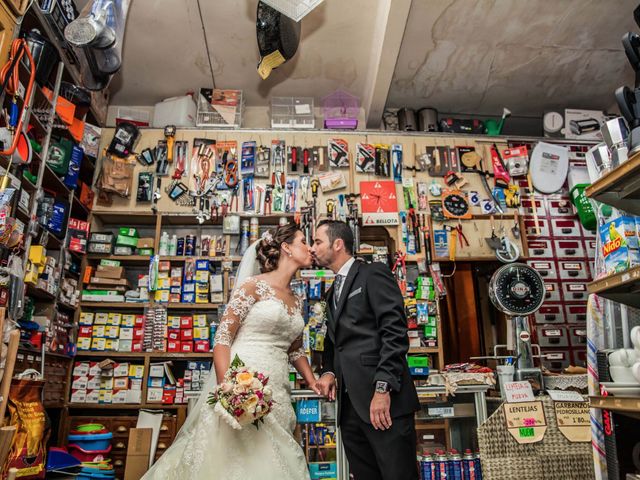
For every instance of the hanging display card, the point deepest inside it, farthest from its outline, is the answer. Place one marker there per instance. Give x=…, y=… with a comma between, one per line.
x=525, y=421
x=573, y=420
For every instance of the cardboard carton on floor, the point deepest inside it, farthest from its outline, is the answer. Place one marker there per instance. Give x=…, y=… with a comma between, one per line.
x=138, y=452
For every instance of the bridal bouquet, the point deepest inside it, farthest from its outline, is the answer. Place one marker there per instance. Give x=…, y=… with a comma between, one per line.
x=243, y=396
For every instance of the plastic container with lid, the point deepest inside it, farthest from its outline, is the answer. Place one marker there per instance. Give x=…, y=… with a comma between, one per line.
x=178, y=111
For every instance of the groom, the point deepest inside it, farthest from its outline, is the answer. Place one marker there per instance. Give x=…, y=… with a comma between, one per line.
x=365, y=353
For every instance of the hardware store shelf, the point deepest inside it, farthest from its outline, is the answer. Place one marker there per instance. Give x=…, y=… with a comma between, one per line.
x=160, y=355
x=143, y=259
x=620, y=187
x=189, y=306
x=623, y=287
x=125, y=305
x=625, y=405
x=423, y=350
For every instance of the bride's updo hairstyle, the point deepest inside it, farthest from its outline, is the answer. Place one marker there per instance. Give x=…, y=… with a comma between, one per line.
x=269, y=247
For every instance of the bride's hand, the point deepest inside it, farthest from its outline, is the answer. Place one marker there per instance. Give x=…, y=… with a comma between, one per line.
x=313, y=385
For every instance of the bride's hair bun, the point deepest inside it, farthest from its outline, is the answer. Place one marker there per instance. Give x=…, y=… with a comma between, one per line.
x=269, y=247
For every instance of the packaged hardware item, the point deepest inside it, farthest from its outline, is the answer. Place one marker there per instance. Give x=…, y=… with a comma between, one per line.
x=619, y=239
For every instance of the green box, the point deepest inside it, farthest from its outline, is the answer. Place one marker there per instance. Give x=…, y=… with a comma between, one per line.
x=145, y=251
x=128, y=232
x=415, y=361
x=125, y=241
x=110, y=263
x=430, y=332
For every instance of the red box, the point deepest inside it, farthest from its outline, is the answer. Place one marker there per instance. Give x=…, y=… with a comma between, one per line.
x=139, y=320
x=186, y=322
x=168, y=397
x=138, y=333
x=85, y=331
x=173, y=346
x=136, y=346
x=186, y=347
x=186, y=334
x=173, y=334
x=201, y=346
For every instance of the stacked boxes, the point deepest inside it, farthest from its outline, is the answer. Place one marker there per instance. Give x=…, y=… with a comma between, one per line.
x=163, y=282
x=120, y=383
x=101, y=242
x=78, y=235
x=188, y=333
x=40, y=270
x=106, y=284
x=163, y=387
x=198, y=285
x=126, y=241
x=110, y=332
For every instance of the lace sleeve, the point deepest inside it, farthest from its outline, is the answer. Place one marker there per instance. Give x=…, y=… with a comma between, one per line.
x=296, y=351
x=237, y=309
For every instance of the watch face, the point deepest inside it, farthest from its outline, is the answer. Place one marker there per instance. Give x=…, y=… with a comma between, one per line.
x=517, y=289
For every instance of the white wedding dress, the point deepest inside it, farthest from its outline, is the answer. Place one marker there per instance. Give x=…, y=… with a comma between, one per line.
x=266, y=334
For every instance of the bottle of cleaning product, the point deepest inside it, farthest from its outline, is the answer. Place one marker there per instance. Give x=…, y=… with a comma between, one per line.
x=173, y=245
x=164, y=244
x=244, y=237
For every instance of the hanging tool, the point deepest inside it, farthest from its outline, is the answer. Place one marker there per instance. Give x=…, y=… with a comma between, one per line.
x=493, y=241
x=293, y=153
x=508, y=251
x=170, y=137
x=515, y=230
x=156, y=195
x=331, y=203
x=501, y=176
x=484, y=176
x=306, y=155
x=9, y=75
x=400, y=271
x=268, y=199
x=230, y=170
x=512, y=196
x=424, y=227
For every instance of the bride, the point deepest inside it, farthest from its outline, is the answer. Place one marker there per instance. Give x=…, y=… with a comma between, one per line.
x=263, y=325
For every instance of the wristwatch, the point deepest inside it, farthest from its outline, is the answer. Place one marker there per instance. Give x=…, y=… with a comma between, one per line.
x=382, y=387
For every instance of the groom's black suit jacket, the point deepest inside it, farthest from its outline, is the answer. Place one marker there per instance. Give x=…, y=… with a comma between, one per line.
x=367, y=340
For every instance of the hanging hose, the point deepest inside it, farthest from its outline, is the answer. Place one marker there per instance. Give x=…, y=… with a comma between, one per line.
x=10, y=78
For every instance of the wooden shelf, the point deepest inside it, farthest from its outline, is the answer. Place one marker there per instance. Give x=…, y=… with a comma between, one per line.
x=115, y=217
x=38, y=293
x=620, y=187
x=143, y=259
x=162, y=355
x=66, y=306
x=415, y=350
x=54, y=183
x=189, y=306
x=124, y=305
x=125, y=406
x=623, y=287
x=182, y=258
x=625, y=405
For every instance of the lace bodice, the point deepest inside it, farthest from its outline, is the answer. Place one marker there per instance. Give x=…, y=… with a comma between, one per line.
x=257, y=316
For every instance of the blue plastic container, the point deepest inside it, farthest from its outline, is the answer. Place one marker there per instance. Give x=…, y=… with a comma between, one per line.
x=100, y=441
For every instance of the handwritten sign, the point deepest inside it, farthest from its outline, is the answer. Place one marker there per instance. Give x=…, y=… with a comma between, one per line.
x=525, y=421
x=516, y=392
x=573, y=420
x=565, y=396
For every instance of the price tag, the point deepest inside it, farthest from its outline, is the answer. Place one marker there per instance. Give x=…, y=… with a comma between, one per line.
x=565, y=396
x=441, y=412
x=573, y=420
x=518, y=392
x=525, y=421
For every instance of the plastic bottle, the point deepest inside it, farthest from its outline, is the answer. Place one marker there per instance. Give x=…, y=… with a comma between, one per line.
x=244, y=237
x=254, y=230
x=164, y=244
x=173, y=245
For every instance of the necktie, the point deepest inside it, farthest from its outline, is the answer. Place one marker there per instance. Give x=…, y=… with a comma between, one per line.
x=337, y=287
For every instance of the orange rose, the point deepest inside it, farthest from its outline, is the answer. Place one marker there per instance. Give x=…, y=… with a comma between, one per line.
x=244, y=378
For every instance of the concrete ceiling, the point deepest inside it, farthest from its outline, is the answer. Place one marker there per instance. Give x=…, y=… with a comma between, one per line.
x=459, y=56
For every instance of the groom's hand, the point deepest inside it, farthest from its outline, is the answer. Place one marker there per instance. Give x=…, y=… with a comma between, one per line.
x=326, y=384
x=379, y=411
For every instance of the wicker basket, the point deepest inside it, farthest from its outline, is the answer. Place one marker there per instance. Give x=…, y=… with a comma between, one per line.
x=554, y=458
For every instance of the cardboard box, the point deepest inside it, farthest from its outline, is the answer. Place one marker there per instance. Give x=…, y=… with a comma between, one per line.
x=173, y=346
x=121, y=369
x=79, y=383
x=125, y=345
x=108, y=271
x=94, y=369
x=126, y=333
x=101, y=318
x=156, y=370
x=186, y=322
x=136, y=346
x=119, y=396
x=136, y=371
x=80, y=369
x=114, y=319
x=134, y=396
x=138, y=453
x=112, y=332
x=78, y=396
x=146, y=242
x=200, y=320
x=186, y=334
x=173, y=334
x=85, y=331
x=201, y=346
x=186, y=347
x=173, y=321
x=154, y=395
x=86, y=318
x=200, y=333
x=121, y=383
x=106, y=383
x=93, y=396
x=98, y=344
x=128, y=320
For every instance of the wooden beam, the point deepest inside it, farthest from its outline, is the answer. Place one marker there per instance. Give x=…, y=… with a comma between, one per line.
x=390, y=25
